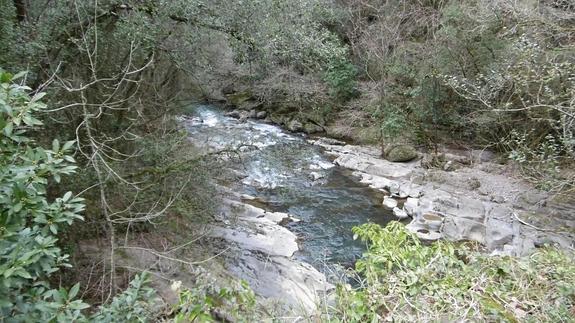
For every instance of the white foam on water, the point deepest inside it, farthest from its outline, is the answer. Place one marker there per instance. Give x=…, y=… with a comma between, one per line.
x=209, y=118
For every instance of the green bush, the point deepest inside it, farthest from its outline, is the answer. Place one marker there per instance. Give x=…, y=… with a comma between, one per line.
x=406, y=280
x=204, y=305
x=340, y=76
x=30, y=222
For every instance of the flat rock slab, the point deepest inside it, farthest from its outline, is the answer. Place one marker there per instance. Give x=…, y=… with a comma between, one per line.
x=261, y=253
x=294, y=283
x=261, y=235
x=374, y=166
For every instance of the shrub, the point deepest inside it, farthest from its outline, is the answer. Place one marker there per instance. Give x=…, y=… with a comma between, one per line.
x=205, y=305
x=30, y=222
x=340, y=76
x=409, y=281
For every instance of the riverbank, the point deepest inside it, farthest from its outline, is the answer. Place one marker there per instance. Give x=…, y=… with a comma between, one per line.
x=287, y=203
x=455, y=194
x=473, y=199
x=479, y=200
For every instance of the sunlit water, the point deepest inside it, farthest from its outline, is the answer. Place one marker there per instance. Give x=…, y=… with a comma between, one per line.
x=280, y=169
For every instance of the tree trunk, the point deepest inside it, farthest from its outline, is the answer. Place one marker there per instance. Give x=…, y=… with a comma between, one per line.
x=21, y=10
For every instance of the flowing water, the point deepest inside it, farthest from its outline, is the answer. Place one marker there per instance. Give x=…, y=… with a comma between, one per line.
x=291, y=175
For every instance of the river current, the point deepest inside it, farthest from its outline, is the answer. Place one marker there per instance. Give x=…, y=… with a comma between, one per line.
x=286, y=173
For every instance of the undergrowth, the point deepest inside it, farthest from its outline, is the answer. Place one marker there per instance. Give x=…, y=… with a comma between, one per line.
x=406, y=280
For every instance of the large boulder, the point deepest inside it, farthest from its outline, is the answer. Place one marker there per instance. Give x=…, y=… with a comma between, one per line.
x=458, y=229
x=234, y=114
x=400, y=153
x=311, y=128
x=295, y=126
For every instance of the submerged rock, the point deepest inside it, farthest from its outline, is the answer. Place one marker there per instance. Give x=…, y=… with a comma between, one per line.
x=316, y=176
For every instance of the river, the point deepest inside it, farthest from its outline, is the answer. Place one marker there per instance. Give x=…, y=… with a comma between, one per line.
x=286, y=173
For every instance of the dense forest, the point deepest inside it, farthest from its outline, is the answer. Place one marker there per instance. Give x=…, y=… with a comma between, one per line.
x=97, y=166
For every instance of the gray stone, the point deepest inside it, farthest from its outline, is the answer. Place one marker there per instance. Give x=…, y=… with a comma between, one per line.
x=282, y=280
x=269, y=238
x=497, y=199
x=430, y=221
x=244, y=115
x=400, y=213
x=498, y=233
x=400, y=153
x=324, y=141
x=449, y=167
x=410, y=206
x=373, y=166
x=531, y=198
x=315, y=176
x=234, y=114
x=423, y=232
x=311, y=128
x=410, y=190
x=295, y=126
x=474, y=183
x=463, y=229
x=463, y=207
x=483, y=155
x=261, y=115
x=389, y=202
x=266, y=249
x=428, y=235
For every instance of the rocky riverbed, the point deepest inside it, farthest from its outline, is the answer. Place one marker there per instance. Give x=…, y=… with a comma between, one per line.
x=478, y=201
x=292, y=201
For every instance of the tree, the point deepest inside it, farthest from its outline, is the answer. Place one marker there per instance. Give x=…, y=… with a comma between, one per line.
x=30, y=222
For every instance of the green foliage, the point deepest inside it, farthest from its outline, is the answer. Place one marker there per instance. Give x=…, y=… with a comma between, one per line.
x=29, y=221
x=340, y=76
x=393, y=125
x=135, y=304
x=204, y=305
x=409, y=281
x=7, y=33
x=540, y=164
x=528, y=97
